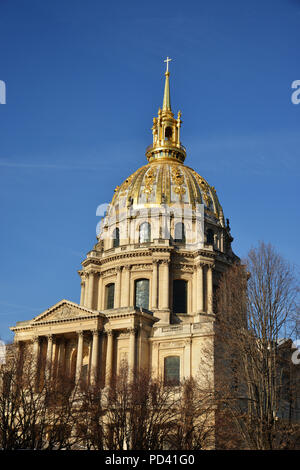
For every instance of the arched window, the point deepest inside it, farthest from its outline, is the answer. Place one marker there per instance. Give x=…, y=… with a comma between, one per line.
x=142, y=293
x=210, y=237
x=179, y=296
x=116, y=238
x=110, y=296
x=168, y=133
x=179, y=233
x=145, y=232
x=172, y=370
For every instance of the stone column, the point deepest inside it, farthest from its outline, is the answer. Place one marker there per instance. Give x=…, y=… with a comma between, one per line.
x=200, y=287
x=35, y=358
x=154, y=284
x=86, y=289
x=91, y=289
x=195, y=290
x=79, y=355
x=82, y=295
x=222, y=242
x=49, y=355
x=109, y=357
x=118, y=288
x=164, y=285
x=100, y=292
x=132, y=352
x=54, y=357
x=95, y=357
x=125, y=286
x=35, y=349
x=209, y=281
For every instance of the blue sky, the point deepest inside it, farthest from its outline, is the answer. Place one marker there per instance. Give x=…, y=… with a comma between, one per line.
x=84, y=79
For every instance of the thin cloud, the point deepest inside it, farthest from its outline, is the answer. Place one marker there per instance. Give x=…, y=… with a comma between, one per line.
x=46, y=166
x=23, y=307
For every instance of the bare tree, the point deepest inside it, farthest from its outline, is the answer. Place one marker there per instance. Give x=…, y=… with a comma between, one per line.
x=139, y=411
x=90, y=430
x=194, y=428
x=33, y=415
x=256, y=306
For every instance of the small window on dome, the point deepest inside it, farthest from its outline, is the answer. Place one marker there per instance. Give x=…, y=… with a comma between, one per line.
x=179, y=233
x=116, y=238
x=145, y=232
x=168, y=133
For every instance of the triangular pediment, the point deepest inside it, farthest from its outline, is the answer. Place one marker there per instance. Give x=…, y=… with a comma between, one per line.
x=64, y=310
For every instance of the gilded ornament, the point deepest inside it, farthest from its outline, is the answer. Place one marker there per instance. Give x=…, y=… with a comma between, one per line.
x=149, y=181
x=178, y=179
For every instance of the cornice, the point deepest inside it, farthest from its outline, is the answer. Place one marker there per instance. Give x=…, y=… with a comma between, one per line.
x=210, y=256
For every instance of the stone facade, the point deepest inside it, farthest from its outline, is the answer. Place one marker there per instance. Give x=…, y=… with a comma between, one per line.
x=91, y=339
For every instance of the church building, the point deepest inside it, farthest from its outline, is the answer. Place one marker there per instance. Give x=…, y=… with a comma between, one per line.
x=148, y=285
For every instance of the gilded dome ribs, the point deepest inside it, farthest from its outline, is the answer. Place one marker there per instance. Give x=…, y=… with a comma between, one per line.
x=136, y=187
x=190, y=188
x=159, y=187
x=198, y=197
x=168, y=185
x=169, y=182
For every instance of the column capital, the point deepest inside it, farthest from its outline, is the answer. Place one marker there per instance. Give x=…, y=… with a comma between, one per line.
x=211, y=265
x=96, y=332
x=132, y=330
x=50, y=337
x=206, y=264
x=118, y=269
x=165, y=261
x=35, y=339
x=80, y=333
x=127, y=267
x=109, y=332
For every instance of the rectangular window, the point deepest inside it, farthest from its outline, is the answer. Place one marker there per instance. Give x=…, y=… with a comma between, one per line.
x=180, y=296
x=110, y=296
x=172, y=370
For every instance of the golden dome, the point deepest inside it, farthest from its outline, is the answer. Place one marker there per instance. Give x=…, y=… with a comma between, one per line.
x=169, y=182
x=165, y=179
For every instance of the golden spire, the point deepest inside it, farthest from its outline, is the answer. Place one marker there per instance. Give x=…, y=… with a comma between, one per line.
x=167, y=101
x=166, y=131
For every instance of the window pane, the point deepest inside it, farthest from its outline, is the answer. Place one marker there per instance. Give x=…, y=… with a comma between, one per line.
x=180, y=296
x=210, y=237
x=145, y=232
x=172, y=370
x=110, y=296
x=179, y=232
x=116, y=238
x=142, y=293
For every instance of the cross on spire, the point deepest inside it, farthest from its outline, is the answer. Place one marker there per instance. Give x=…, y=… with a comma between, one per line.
x=167, y=60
